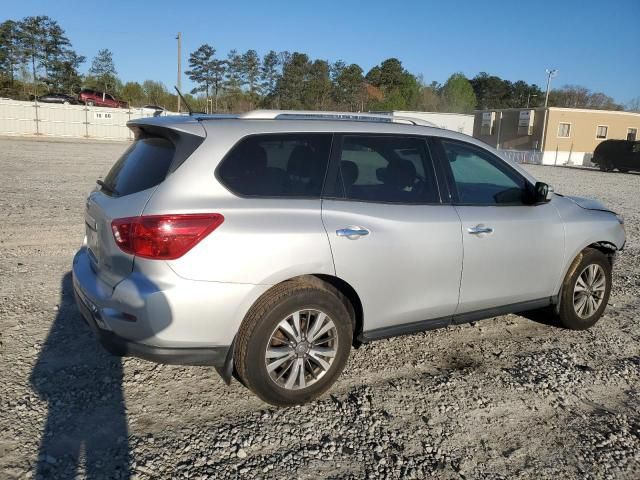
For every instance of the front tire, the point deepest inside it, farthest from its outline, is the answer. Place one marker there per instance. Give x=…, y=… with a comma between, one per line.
x=293, y=344
x=585, y=290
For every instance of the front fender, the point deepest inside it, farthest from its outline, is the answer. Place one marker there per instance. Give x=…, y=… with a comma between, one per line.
x=584, y=227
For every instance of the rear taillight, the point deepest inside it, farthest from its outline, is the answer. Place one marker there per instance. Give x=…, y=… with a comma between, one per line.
x=163, y=237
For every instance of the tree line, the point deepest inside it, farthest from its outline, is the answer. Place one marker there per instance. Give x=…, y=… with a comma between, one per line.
x=242, y=81
x=37, y=57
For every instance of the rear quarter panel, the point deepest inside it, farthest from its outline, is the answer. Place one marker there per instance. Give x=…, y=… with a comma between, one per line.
x=261, y=241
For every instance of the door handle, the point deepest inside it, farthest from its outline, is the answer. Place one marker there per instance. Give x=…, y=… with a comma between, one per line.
x=352, y=233
x=479, y=229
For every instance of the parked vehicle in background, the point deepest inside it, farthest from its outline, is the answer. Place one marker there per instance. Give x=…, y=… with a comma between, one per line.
x=61, y=98
x=155, y=107
x=267, y=243
x=100, y=99
x=621, y=154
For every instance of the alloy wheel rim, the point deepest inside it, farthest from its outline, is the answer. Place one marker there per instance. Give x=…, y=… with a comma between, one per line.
x=301, y=349
x=588, y=292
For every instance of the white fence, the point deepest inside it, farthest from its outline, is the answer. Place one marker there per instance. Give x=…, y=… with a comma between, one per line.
x=79, y=121
x=523, y=156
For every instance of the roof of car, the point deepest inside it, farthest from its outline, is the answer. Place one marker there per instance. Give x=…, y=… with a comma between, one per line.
x=302, y=121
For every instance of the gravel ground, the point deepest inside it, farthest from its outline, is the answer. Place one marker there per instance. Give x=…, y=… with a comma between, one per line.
x=510, y=397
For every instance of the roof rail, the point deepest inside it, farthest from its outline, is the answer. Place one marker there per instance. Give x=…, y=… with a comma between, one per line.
x=321, y=115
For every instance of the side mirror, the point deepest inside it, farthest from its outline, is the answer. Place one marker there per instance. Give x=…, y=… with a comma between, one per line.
x=542, y=192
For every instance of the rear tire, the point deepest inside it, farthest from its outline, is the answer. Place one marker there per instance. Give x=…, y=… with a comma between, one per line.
x=605, y=165
x=585, y=290
x=293, y=343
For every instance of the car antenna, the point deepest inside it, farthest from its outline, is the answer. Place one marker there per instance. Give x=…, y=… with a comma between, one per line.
x=184, y=100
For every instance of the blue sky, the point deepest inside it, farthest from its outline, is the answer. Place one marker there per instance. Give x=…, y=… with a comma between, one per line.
x=591, y=43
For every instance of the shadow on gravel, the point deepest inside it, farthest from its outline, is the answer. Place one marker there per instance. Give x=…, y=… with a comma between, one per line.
x=544, y=316
x=86, y=425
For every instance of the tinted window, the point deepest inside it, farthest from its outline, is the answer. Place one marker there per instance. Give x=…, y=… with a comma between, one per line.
x=482, y=179
x=277, y=165
x=387, y=169
x=144, y=165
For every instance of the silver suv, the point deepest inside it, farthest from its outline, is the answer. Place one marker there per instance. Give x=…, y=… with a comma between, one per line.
x=269, y=243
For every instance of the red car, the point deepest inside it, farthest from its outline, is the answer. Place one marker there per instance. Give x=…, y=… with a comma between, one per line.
x=100, y=99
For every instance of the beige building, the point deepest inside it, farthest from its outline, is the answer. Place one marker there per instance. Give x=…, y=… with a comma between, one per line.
x=570, y=134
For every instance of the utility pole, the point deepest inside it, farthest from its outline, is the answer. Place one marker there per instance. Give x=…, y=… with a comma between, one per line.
x=550, y=73
x=179, y=38
x=529, y=97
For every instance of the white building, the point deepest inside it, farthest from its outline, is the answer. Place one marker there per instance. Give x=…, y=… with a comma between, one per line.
x=458, y=122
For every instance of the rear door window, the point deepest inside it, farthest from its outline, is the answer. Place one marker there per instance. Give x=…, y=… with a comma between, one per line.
x=389, y=169
x=277, y=165
x=144, y=165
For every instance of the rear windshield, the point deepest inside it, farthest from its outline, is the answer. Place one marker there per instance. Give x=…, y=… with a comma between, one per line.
x=144, y=165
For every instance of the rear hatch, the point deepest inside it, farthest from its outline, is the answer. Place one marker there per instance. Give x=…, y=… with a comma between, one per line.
x=158, y=150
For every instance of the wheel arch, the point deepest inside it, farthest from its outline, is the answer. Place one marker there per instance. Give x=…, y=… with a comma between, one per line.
x=607, y=248
x=342, y=289
x=347, y=295
x=352, y=301
x=567, y=319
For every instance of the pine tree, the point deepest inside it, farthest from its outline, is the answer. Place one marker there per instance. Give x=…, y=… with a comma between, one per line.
x=63, y=72
x=251, y=74
x=200, y=69
x=290, y=86
x=11, y=53
x=233, y=74
x=269, y=75
x=32, y=38
x=347, y=83
x=206, y=71
x=103, y=69
x=458, y=94
x=317, y=87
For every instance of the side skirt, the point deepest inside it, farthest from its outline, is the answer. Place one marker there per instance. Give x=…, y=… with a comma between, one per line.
x=442, y=322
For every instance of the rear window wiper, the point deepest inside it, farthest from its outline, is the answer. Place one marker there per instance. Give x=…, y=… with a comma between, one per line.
x=108, y=188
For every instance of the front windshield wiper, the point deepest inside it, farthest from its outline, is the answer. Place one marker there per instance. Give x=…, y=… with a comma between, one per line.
x=108, y=188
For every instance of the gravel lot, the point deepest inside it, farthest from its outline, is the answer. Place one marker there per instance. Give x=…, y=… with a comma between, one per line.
x=509, y=397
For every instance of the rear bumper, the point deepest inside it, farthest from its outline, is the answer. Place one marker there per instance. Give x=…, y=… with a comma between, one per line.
x=156, y=315
x=116, y=345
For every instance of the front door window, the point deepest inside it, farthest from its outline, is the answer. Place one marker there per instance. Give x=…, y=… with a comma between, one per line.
x=481, y=179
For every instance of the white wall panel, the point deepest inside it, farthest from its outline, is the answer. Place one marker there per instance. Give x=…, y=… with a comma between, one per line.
x=53, y=120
